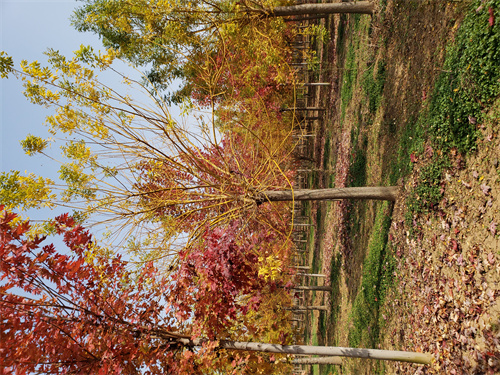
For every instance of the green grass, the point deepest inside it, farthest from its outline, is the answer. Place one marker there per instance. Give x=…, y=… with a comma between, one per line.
x=468, y=84
x=357, y=170
x=470, y=80
x=376, y=279
x=349, y=76
x=373, y=85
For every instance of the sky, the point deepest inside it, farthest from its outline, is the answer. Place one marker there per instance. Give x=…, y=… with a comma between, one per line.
x=29, y=28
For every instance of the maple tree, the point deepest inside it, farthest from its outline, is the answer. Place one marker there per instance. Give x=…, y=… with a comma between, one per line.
x=66, y=313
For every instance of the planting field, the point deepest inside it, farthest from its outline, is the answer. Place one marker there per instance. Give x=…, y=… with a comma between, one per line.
x=413, y=102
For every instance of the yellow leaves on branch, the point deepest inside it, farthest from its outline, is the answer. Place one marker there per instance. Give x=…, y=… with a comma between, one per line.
x=25, y=192
x=80, y=152
x=33, y=145
x=270, y=267
x=80, y=184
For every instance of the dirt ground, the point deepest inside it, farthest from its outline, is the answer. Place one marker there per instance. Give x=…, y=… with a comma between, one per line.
x=447, y=260
x=447, y=300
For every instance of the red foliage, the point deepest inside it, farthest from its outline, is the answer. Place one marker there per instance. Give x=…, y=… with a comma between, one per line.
x=60, y=314
x=491, y=20
x=219, y=279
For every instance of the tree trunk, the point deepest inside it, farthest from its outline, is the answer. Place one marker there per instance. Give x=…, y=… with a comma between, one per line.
x=317, y=361
x=313, y=287
x=388, y=355
x=387, y=193
x=305, y=308
x=363, y=7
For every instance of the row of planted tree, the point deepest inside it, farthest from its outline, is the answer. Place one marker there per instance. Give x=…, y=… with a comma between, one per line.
x=195, y=268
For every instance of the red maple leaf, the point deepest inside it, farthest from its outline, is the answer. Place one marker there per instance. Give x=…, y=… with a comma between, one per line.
x=491, y=20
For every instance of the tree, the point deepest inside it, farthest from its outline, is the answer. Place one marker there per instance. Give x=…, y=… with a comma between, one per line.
x=171, y=35
x=153, y=177
x=84, y=315
x=317, y=361
x=24, y=192
x=357, y=7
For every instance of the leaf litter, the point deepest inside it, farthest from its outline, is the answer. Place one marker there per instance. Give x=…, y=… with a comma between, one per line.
x=447, y=300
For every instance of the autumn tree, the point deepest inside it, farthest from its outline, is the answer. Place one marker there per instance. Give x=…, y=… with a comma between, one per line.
x=73, y=313
x=171, y=35
x=132, y=164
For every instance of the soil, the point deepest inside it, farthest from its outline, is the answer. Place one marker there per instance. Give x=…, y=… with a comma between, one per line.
x=445, y=300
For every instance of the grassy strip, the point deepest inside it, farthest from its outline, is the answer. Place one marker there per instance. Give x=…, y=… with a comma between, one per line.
x=349, y=79
x=467, y=85
x=374, y=85
x=378, y=268
x=470, y=80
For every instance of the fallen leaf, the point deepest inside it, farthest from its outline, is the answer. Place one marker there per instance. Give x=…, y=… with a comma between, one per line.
x=485, y=189
x=491, y=20
x=493, y=228
x=491, y=258
x=429, y=151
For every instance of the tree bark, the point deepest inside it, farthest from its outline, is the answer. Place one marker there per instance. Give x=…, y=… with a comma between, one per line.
x=363, y=7
x=388, y=193
x=388, y=355
x=305, y=308
x=317, y=361
x=313, y=287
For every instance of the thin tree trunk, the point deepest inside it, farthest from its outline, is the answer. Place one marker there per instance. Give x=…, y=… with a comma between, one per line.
x=313, y=287
x=363, y=7
x=317, y=361
x=306, y=308
x=388, y=193
x=388, y=355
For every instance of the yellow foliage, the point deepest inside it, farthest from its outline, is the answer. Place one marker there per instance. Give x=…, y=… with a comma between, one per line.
x=270, y=267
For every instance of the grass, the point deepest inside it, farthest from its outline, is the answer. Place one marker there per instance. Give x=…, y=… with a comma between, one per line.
x=377, y=276
x=428, y=130
x=349, y=79
x=373, y=85
x=469, y=82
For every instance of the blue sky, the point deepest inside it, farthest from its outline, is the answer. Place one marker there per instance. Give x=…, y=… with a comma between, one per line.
x=28, y=28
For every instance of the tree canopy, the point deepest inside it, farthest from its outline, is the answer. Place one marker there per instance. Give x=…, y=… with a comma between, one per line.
x=132, y=164
x=172, y=38
x=87, y=314
x=69, y=313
